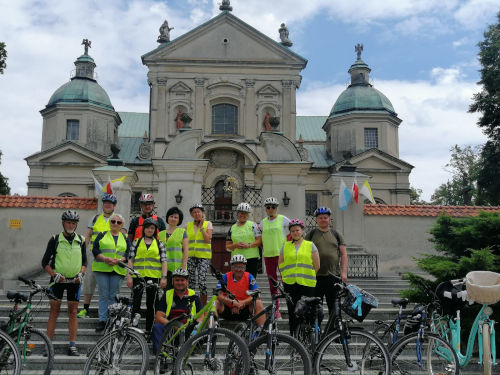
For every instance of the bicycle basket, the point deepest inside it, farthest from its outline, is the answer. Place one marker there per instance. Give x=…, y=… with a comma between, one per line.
x=358, y=303
x=450, y=297
x=483, y=287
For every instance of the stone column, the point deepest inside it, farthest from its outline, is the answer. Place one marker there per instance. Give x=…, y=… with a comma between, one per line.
x=124, y=194
x=175, y=175
x=250, y=124
x=286, y=113
x=199, y=104
x=162, y=123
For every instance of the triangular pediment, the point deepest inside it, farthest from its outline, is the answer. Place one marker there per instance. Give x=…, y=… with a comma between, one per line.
x=268, y=90
x=224, y=39
x=67, y=153
x=180, y=87
x=379, y=160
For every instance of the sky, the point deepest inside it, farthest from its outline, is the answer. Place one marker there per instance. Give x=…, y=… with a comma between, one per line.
x=423, y=56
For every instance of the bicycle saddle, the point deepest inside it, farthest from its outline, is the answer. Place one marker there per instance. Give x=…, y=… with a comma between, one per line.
x=123, y=300
x=251, y=293
x=190, y=299
x=400, y=302
x=16, y=296
x=311, y=301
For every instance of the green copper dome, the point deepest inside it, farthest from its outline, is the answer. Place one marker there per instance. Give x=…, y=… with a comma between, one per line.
x=81, y=90
x=360, y=98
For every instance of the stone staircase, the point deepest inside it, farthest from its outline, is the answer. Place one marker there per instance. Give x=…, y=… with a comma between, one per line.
x=385, y=288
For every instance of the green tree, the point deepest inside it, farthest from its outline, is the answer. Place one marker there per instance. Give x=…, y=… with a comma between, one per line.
x=416, y=196
x=461, y=190
x=488, y=181
x=4, y=186
x=3, y=57
x=487, y=101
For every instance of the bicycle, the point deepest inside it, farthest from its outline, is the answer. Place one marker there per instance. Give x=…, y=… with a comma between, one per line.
x=424, y=352
x=34, y=345
x=449, y=328
x=349, y=349
x=10, y=358
x=123, y=347
x=274, y=352
x=201, y=350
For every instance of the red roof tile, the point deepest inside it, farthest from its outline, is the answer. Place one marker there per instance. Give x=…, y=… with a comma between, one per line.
x=48, y=202
x=426, y=210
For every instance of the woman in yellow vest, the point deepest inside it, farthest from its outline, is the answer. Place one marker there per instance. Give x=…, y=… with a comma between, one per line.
x=244, y=238
x=109, y=248
x=148, y=257
x=298, y=263
x=199, y=232
x=176, y=243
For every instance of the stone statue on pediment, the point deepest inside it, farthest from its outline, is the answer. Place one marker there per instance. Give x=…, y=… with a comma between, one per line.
x=164, y=36
x=283, y=30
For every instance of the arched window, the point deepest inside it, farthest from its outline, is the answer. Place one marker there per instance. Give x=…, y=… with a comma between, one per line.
x=67, y=194
x=224, y=119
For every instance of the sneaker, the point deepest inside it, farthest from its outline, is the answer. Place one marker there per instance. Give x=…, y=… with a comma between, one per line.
x=278, y=315
x=100, y=326
x=83, y=313
x=73, y=351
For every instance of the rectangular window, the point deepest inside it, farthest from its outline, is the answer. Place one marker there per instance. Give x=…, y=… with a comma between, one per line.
x=371, y=138
x=72, y=130
x=224, y=119
x=311, y=203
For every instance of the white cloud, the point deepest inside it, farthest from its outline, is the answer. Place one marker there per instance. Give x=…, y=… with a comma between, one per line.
x=473, y=13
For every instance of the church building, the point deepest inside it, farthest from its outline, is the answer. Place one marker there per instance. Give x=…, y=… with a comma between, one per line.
x=222, y=128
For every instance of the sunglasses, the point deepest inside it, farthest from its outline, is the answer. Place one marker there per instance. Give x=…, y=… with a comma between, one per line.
x=273, y=207
x=116, y=222
x=238, y=267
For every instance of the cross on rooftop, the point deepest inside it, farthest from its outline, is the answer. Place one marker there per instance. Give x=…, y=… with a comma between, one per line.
x=87, y=43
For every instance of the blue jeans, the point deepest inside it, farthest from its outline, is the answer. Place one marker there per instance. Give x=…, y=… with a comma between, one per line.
x=109, y=285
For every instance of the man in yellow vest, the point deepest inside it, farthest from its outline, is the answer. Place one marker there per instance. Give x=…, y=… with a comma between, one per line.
x=299, y=263
x=274, y=230
x=98, y=224
x=174, y=304
x=65, y=260
x=199, y=232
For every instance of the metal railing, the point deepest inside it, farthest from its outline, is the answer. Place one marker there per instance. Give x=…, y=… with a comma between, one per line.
x=363, y=266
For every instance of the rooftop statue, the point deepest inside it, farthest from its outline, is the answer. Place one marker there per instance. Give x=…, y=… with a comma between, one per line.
x=226, y=5
x=358, y=48
x=87, y=43
x=283, y=30
x=164, y=36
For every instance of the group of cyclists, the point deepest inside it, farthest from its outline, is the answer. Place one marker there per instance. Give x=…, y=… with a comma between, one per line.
x=177, y=259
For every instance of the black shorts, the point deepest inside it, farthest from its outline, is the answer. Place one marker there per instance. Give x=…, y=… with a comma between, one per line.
x=228, y=315
x=72, y=291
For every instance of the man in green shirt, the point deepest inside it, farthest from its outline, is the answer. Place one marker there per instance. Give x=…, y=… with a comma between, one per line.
x=332, y=249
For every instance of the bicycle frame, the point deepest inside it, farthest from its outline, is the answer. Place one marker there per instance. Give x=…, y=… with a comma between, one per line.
x=454, y=328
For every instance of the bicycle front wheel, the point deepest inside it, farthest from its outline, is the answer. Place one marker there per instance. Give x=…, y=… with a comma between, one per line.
x=367, y=354
x=119, y=352
x=208, y=353
x=10, y=359
x=168, y=347
x=429, y=354
x=487, y=360
x=286, y=356
x=36, y=350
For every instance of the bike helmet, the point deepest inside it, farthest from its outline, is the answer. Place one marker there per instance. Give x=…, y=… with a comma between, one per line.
x=322, y=210
x=295, y=222
x=146, y=198
x=70, y=215
x=196, y=205
x=109, y=198
x=180, y=272
x=271, y=200
x=238, y=258
x=149, y=221
x=244, y=207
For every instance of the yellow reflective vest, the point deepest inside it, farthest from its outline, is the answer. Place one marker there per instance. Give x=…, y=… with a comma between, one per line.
x=244, y=233
x=169, y=295
x=198, y=248
x=111, y=250
x=173, y=246
x=297, y=266
x=147, y=260
x=100, y=225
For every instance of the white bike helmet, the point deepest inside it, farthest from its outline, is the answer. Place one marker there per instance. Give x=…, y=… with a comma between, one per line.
x=244, y=207
x=271, y=200
x=196, y=205
x=146, y=198
x=238, y=258
x=180, y=272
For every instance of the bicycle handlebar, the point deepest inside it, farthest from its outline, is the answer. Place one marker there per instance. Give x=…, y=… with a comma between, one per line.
x=38, y=288
x=278, y=285
x=223, y=286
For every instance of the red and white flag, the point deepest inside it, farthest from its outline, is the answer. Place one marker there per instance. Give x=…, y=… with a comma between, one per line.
x=355, y=190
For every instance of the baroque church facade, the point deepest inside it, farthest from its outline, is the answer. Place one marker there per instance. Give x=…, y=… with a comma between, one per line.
x=222, y=128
